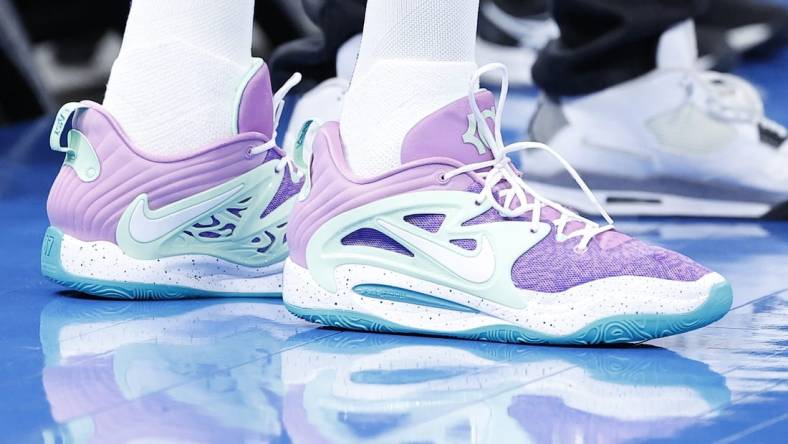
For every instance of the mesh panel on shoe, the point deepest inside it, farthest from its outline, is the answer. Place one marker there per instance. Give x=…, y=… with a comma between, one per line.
x=271, y=155
x=427, y=222
x=286, y=190
x=373, y=238
x=465, y=244
x=552, y=266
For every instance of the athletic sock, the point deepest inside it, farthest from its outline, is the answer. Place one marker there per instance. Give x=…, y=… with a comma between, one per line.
x=416, y=56
x=173, y=87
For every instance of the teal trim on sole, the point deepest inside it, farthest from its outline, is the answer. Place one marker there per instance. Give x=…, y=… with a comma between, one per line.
x=389, y=293
x=612, y=330
x=52, y=269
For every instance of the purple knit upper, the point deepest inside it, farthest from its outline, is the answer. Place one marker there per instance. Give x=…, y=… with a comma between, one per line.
x=427, y=222
x=368, y=237
x=466, y=244
x=552, y=267
x=287, y=189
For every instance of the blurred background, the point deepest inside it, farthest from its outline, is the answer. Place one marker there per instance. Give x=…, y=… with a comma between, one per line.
x=46, y=59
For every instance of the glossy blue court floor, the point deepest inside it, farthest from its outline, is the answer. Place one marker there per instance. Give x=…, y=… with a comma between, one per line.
x=78, y=370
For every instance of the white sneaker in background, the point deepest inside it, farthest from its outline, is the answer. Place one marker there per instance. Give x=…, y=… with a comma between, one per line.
x=676, y=141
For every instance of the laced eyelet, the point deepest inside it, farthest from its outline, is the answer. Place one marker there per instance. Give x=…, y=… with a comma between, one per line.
x=442, y=178
x=579, y=250
x=249, y=154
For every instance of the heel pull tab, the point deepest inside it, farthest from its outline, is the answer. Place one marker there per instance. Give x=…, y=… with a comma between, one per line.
x=62, y=121
x=80, y=155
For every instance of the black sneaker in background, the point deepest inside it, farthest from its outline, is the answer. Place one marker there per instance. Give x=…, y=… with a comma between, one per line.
x=315, y=56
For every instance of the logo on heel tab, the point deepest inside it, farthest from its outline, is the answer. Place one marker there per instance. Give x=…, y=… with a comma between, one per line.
x=63, y=117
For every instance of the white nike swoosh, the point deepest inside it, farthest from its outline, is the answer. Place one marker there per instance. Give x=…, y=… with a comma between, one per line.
x=145, y=227
x=477, y=269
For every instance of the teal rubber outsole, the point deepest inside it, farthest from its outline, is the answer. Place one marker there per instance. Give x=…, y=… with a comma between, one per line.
x=52, y=269
x=612, y=330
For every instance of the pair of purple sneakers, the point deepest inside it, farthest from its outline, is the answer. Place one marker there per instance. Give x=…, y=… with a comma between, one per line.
x=453, y=242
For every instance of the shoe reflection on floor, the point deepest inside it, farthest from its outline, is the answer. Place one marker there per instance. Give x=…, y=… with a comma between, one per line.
x=402, y=389
x=230, y=370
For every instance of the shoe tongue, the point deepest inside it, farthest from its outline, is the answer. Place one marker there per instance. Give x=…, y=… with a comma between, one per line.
x=451, y=132
x=256, y=106
x=678, y=47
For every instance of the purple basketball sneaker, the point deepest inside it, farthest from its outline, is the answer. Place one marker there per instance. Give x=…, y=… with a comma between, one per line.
x=455, y=243
x=125, y=224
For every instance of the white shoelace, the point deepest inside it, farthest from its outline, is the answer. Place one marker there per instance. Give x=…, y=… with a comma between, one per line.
x=279, y=102
x=500, y=168
x=734, y=99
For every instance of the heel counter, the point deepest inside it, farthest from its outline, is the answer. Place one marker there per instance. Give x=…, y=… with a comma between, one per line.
x=66, y=138
x=81, y=169
x=314, y=157
x=296, y=242
x=57, y=210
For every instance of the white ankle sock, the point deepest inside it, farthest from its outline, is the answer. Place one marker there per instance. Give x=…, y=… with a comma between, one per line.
x=416, y=56
x=173, y=86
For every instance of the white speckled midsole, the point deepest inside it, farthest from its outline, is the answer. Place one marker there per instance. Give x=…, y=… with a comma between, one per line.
x=105, y=261
x=556, y=314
